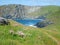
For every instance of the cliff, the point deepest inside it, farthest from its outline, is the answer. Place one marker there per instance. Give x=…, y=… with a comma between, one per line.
x=27, y=12
x=16, y=11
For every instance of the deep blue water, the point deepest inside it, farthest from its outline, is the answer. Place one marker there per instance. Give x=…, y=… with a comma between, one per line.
x=28, y=21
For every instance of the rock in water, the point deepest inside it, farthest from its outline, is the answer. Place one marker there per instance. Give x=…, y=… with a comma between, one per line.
x=3, y=21
x=41, y=24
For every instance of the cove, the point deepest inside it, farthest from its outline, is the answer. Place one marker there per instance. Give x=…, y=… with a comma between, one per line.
x=28, y=22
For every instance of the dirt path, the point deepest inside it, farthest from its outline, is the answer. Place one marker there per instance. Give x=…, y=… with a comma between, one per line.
x=55, y=32
x=58, y=42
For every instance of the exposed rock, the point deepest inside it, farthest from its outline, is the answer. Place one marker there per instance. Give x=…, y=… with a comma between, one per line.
x=43, y=24
x=11, y=32
x=20, y=33
x=42, y=17
x=7, y=16
x=3, y=21
x=50, y=22
x=17, y=11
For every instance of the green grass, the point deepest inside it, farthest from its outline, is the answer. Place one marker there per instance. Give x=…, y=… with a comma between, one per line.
x=34, y=36
x=45, y=10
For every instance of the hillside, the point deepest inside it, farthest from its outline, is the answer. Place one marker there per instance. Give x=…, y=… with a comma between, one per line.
x=46, y=10
x=49, y=35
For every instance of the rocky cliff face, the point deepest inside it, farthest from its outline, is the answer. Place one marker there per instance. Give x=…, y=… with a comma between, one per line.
x=14, y=11
x=27, y=12
x=17, y=11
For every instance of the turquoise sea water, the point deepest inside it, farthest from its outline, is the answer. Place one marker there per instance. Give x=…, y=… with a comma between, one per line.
x=28, y=22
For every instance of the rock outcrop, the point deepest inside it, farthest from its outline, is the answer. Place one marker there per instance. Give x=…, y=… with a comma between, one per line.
x=3, y=21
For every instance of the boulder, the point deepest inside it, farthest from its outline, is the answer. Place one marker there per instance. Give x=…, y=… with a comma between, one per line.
x=3, y=21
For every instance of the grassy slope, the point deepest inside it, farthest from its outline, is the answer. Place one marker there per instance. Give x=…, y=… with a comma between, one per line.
x=46, y=10
x=49, y=35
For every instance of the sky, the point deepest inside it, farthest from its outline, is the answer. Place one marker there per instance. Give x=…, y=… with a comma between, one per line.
x=31, y=2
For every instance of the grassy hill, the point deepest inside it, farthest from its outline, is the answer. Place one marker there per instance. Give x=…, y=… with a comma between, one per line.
x=49, y=35
x=42, y=36
x=46, y=10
